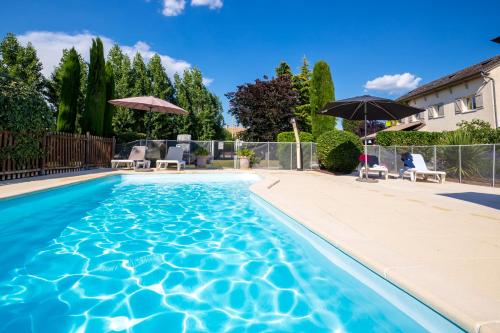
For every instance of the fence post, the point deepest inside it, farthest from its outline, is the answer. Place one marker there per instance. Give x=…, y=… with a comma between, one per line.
x=87, y=149
x=311, y=165
x=494, y=166
x=44, y=153
x=268, y=154
x=396, y=159
x=113, y=147
x=435, y=158
x=291, y=156
x=460, y=163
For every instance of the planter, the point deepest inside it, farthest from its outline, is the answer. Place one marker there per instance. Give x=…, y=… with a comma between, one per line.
x=244, y=163
x=201, y=161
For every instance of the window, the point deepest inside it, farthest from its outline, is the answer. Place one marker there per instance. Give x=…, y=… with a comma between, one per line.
x=469, y=103
x=435, y=111
x=416, y=117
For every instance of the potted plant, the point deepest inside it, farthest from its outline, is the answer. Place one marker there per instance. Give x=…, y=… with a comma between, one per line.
x=201, y=157
x=246, y=157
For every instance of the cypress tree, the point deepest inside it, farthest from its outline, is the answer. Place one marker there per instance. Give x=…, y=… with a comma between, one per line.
x=95, y=102
x=141, y=86
x=162, y=126
x=322, y=92
x=283, y=69
x=110, y=94
x=301, y=84
x=70, y=91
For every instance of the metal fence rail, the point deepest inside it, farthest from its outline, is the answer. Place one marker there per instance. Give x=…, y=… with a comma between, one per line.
x=268, y=155
x=468, y=164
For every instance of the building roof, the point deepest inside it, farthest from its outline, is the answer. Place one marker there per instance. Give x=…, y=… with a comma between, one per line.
x=235, y=130
x=466, y=73
x=401, y=127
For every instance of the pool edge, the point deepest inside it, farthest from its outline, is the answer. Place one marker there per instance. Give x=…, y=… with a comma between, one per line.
x=440, y=308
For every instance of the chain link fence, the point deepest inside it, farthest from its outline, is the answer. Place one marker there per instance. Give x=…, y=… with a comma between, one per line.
x=468, y=164
x=224, y=154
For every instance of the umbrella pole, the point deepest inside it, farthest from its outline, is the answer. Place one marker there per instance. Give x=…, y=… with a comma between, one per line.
x=366, y=148
x=148, y=126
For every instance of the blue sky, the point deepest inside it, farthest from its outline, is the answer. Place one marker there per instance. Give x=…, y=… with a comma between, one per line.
x=237, y=41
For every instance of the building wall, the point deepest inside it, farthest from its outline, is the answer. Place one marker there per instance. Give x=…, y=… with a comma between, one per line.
x=449, y=95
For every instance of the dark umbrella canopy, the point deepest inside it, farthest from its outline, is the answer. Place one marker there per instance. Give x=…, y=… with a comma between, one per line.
x=368, y=108
x=376, y=108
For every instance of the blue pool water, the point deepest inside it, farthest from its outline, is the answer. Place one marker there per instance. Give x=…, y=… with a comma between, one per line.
x=183, y=253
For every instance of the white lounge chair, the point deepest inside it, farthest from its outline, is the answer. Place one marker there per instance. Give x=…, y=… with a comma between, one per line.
x=420, y=169
x=174, y=156
x=136, y=157
x=375, y=168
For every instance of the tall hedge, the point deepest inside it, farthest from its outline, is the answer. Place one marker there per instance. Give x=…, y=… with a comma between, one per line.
x=408, y=138
x=110, y=94
x=322, y=92
x=290, y=137
x=70, y=91
x=95, y=102
x=339, y=151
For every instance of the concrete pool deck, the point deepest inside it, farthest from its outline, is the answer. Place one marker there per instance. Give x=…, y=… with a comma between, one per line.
x=440, y=243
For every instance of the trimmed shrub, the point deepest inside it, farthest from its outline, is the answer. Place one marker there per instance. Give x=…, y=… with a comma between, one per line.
x=338, y=151
x=290, y=137
x=408, y=138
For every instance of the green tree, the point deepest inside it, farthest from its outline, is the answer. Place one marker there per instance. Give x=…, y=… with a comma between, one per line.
x=204, y=120
x=95, y=102
x=163, y=126
x=21, y=63
x=283, y=69
x=123, y=118
x=352, y=126
x=302, y=84
x=110, y=94
x=70, y=91
x=54, y=88
x=141, y=86
x=322, y=92
x=24, y=112
x=264, y=107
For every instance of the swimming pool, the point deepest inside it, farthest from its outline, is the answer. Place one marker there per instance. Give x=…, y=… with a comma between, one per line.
x=183, y=253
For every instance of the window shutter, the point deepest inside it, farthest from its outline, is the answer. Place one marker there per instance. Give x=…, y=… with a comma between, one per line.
x=479, y=101
x=458, y=106
x=441, y=110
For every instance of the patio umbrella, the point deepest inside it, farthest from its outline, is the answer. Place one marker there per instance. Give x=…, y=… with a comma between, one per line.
x=368, y=108
x=150, y=104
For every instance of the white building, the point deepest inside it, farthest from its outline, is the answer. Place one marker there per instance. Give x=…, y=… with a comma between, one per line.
x=471, y=93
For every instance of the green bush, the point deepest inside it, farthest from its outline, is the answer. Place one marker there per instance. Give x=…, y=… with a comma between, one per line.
x=475, y=131
x=479, y=131
x=338, y=151
x=408, y=138
x=201, y=151
x=129, y=136
x=290, y=137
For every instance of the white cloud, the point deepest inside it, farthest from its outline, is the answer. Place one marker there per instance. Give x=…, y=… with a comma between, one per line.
x=212, y=4
x=207, y=81
x=176, y=7
x=393, y=84
x=173, y=7
x=49, y=46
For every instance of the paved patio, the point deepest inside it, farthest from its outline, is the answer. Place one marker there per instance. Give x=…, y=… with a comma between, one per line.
x=440, y=243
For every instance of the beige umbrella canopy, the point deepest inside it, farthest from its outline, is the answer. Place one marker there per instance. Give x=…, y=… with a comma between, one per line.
x=148, y=103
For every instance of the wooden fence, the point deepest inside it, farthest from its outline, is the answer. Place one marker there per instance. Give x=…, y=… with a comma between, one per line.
x=61, y=152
